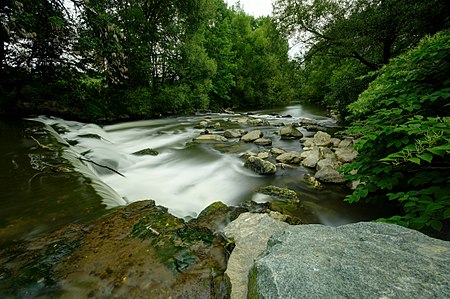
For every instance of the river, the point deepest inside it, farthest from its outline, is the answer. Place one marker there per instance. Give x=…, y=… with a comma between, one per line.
x=41, y=192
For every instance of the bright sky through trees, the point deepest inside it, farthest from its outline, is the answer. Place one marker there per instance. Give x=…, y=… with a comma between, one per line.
x=256, y=8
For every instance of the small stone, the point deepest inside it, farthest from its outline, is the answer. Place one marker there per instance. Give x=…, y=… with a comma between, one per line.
x=277, y=151
x=146, y=152
x=312, y=181
x=278, y=193
x=252, y=136
x=233, y=133
x=260, y=166
x=263, y=155
x=322, y=139
x=290, y=158
x=346, y=154
x=335, y=142
x=263, y=141
x=290, y=132
x=210, y=138
x=347, y=142
x=329, y=175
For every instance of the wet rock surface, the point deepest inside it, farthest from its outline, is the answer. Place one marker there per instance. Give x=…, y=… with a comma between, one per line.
x=139, y=251
x=260, y=166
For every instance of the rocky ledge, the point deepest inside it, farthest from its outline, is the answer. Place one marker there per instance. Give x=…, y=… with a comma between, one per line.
x=138, y=251
x=360, y=260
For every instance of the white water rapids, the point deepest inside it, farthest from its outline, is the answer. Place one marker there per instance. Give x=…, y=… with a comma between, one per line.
x=186, y=177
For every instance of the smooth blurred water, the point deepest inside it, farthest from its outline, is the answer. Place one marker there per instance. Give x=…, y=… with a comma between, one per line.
x=185, y=177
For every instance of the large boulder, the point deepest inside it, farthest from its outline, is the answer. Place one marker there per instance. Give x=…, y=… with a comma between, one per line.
x=252, y=136
x=361, y=260
x=250, y=233
x=260, y=166
x=134, y=251
x=290, y=158
x=290, y=132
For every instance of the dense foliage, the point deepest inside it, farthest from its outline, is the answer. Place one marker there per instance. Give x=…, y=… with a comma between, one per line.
x=403, y=121
x=344, y=40
x=102, y=59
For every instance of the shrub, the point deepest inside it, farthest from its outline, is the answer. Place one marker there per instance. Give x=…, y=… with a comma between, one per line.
x=404, y=127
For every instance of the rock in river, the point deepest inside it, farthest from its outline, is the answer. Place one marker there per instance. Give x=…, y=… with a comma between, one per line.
x=360, y=260
x=260, y=166
x=237, y=133
x=210, y=138
x=290, y=158
x=263, y=141
x=327, y=174
x=252, y=136
x=322, y=139
x=290, y=132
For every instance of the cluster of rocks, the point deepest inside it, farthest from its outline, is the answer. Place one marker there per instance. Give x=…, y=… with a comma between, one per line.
x=275, y=260
x=327, y=155
x=320, y=152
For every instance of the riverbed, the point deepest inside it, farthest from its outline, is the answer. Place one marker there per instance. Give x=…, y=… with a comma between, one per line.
x=57, y=171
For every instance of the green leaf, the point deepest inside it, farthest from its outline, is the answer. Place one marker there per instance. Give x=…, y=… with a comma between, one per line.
x=447, y=213
x=436, y=225
x=426, y=156
x=414, y=160
x=433, y=207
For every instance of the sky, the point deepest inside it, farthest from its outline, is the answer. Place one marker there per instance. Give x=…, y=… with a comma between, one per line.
x=256, y=8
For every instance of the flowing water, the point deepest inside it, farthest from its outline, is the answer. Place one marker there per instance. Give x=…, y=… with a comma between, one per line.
x=40, y=192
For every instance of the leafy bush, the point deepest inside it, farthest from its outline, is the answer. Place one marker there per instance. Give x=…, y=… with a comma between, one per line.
x=404, y=127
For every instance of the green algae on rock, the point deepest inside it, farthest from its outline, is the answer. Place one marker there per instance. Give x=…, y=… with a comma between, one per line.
x=279, y=193
x=137, y=251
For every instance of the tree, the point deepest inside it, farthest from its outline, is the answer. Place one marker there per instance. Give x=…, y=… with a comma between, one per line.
x=35, y=35
x=403, y=123
x=355, y=37
x=263, y=68
x=370, y=31
x=219, y=46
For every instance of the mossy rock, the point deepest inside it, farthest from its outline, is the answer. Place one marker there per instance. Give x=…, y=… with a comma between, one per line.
x=177, y=244
x=216, y=216
x=278, y=193
x=120, y=253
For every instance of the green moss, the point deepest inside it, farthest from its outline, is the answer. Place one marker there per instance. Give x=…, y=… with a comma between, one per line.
x=283, y=194
x=177, y=244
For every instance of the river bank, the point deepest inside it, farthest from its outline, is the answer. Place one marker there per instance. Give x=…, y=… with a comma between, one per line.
x=114, y=166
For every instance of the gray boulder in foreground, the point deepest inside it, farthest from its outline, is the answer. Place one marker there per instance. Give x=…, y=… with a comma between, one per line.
x=361, y=260
x=250, y=232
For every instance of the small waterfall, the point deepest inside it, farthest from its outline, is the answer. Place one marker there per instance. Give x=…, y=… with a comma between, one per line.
x=110, y=197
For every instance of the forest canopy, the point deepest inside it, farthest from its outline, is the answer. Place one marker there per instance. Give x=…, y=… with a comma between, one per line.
x=138, y=58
